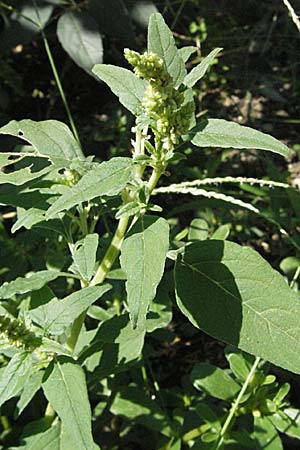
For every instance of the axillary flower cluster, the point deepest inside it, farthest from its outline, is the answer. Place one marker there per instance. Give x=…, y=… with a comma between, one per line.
x=15, y=334
x=164, y=105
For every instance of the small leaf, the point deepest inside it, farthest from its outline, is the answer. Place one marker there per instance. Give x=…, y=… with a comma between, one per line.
x=224, y=134
x=161, y=42
x=49, y=138
x=14, y=376
x=199, y=71
x=79, y=35
x=124, y=84
x=233, y=294
x=214, y=381
x=33, y=282
x=85, y=256
x=198, y=230
x=109, y=178
x=143, y=255
x=65, y=389
x=55, y=316
x=186, y=52
x=221, y=233
x=265, y=435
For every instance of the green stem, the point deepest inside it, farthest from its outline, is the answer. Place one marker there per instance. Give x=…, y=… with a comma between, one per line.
x=235, y=405
x=295, y=277
x=59, y=86
x=111, y=253
x=49, y=414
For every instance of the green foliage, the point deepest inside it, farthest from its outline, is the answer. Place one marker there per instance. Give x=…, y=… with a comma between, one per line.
x=85, y=346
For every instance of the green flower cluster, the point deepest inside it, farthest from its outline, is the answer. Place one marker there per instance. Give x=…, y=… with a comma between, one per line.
x=164, y=104
x=15, y=334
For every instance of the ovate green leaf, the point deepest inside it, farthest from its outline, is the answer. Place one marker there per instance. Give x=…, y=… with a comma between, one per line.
x=199, y=71
x=221, y=133
x=124, y=84
x=143, y=255
x=48, y=138
x=109, y=178
x=55, y=316
x=232, y=293
x=186, y=52
x=15, y=375
x=65, y=389
x=214, y=381
x=161, y=42
x=79, y=35
x=33, y=282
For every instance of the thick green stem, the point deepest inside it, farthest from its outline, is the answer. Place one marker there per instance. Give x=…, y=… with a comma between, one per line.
x=235, y=405
x=111, y=253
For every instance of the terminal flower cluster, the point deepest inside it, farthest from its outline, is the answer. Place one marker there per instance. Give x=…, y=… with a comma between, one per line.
x=164, y=104
x=15, y=334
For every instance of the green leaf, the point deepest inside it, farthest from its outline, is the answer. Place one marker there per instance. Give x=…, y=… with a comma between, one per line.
x=233, y=294
x=136, y=406
x=79, y=35
x=287, y=422
x=84, y=256
x=65, y=389
x=33, y=384
x=161, y=42
x=49, y=138
x=55, y=316
x=109, y=178
x=214, y=381
x=143, y=255
x=265, y=435
x=33, y=282
x=199, y=71
x=15, y=375
x=224, y=134
x=38, y=437
x=186, y=52
x=22, y=176
x=198, y=230
x=221, y=233
x=160, y=311
x=124, y=84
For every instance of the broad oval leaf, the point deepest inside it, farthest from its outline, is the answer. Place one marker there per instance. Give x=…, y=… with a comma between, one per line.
x=233, y=294
x=109, y=178
x=221, y=133
x=65, y=389
x=199, y=71
x=124, y=84
x=49, y=138
x=161, y=42
x=79, y=35
x=143, y=255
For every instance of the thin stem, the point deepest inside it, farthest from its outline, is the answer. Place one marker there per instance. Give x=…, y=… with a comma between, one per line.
x=235, y=405
x=60, y=87
x=295, y=277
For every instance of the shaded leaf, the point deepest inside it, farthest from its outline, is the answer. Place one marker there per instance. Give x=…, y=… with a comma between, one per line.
x=14, y=376
x=79, y=35
x=186, y=52
x=265, y=435
x=232, y=293
x=85, y=256
x=30, y=389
